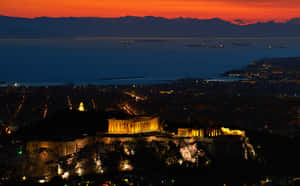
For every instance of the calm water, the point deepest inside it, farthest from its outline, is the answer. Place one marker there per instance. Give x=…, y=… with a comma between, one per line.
x=83, y=61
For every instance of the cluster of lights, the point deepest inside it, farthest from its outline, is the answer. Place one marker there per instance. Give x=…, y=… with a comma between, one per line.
x=79, y=169
x=128, y=152
x=190, y=153
x=99, y=166
x=125, y=166
x=65, y=175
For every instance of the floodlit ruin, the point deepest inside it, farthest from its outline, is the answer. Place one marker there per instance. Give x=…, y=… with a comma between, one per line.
x=144, y=124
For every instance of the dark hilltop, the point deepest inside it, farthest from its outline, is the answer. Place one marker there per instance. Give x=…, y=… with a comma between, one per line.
x=44, y=27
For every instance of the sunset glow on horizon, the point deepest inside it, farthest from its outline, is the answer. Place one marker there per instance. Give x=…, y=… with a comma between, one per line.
x=255, y=10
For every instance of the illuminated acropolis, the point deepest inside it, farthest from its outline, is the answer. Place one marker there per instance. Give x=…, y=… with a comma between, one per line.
x=188, y=132
x=185, y=132
x=133, y=126
x=227, y=131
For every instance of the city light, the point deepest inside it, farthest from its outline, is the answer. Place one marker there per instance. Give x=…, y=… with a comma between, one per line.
x=65, y=175
x=59, y=170
x=180, y=161
x=20, y=151
x=42, y=181
x=8, y=131
x=81, y=107
x=79, y=171
x=125, y=166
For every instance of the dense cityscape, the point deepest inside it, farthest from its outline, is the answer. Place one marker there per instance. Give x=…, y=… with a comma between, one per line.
x=149, y=93
x=164, y=134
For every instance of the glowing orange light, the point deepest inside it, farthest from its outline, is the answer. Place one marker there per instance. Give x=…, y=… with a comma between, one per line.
x=227, y=131
x=8, y=131
x=133, y=126
x=125, y=166
x=81, y=107
x=59, y=170
x=185, y=132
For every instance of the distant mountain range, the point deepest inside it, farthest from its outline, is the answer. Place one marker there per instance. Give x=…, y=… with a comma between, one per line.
x=13, y=27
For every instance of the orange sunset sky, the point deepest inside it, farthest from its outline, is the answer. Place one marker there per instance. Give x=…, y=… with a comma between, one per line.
x=249, y=10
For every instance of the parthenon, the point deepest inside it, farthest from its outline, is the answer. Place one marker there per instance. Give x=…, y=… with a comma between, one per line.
x=135, y=125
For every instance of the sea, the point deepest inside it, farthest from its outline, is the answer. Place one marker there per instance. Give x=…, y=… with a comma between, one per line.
x=117, y=61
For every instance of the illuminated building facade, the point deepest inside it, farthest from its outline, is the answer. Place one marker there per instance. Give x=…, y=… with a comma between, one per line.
x=229, y=132
x=133, y=126
x=214, y=132
x=185, y=132
x=188, y=132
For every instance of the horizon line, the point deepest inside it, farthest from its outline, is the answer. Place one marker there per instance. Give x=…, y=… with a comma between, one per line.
x=234, y=21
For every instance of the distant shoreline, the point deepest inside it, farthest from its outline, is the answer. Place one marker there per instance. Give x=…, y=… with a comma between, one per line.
x=121, y=78
x=148, y=38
